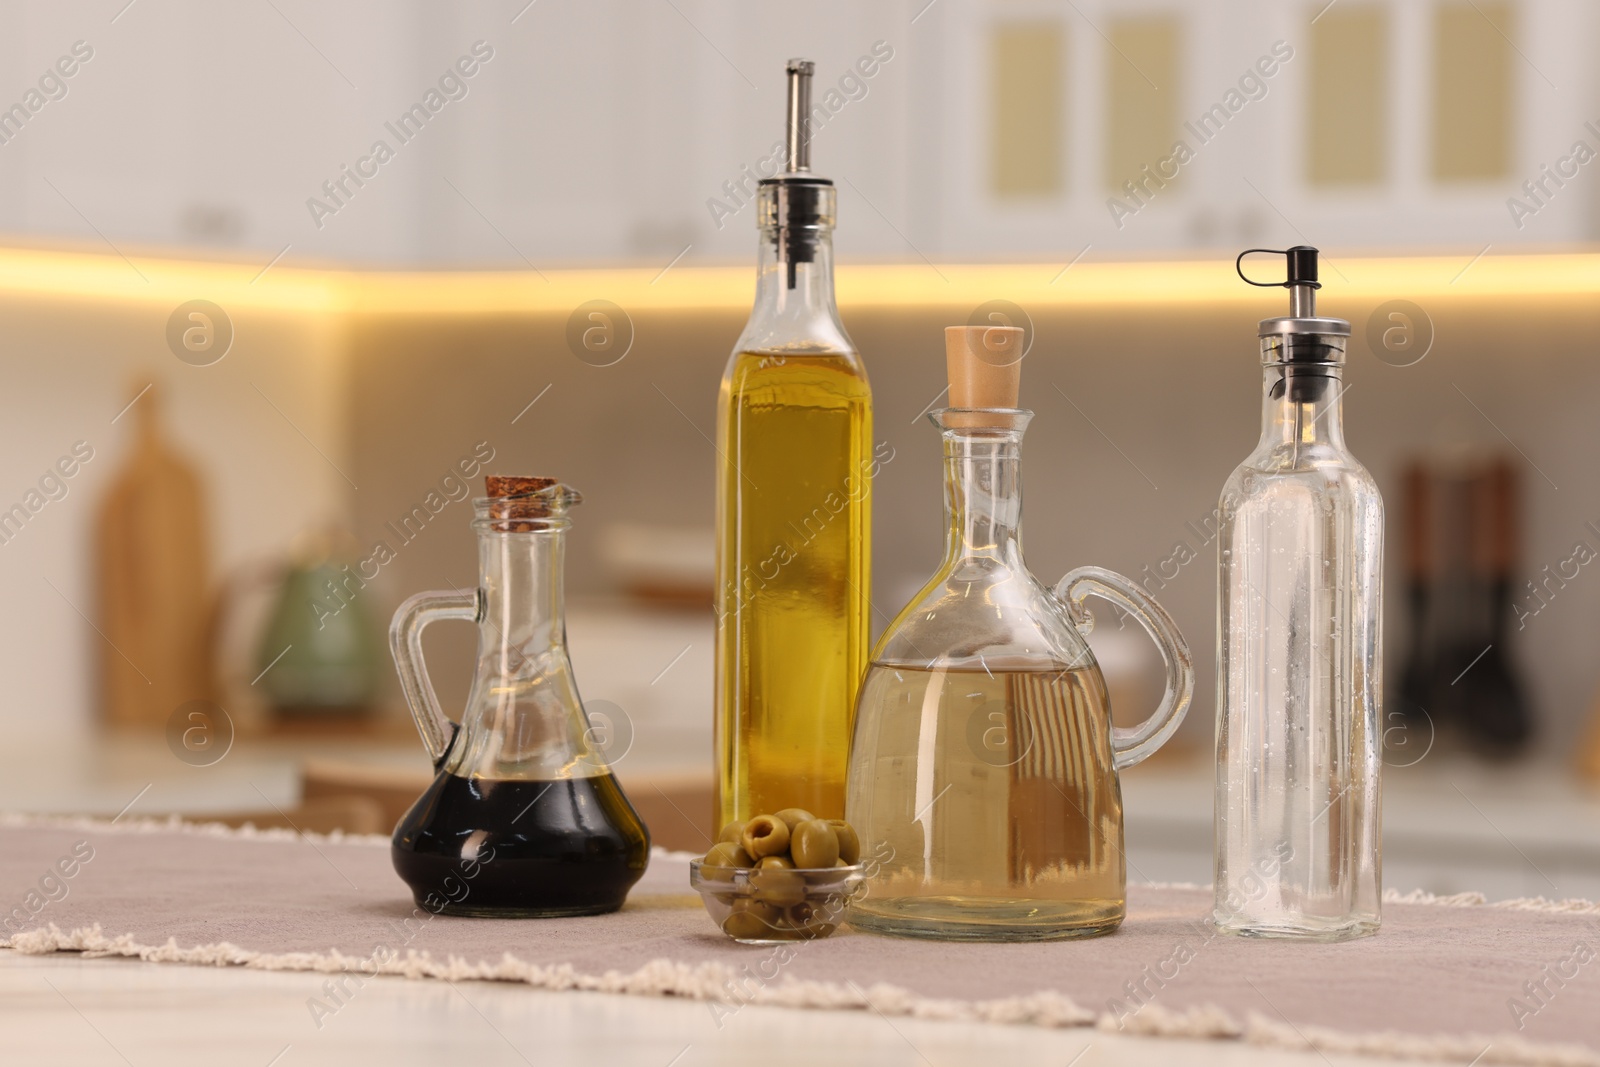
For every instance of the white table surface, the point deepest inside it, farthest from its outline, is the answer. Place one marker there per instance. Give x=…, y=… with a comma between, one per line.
x=65, y=1011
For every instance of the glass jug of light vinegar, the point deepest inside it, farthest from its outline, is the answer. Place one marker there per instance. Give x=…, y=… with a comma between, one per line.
x=983, y=768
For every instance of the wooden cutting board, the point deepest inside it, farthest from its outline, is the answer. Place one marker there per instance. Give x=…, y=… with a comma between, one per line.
x=152, y=580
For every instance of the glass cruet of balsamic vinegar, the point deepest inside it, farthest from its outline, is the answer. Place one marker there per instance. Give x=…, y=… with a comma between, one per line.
x=524, y=818
x=1299, y=672
x=794, y=426
x=983, y=770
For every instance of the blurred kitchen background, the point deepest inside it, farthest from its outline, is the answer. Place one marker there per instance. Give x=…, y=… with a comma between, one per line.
x=261, y=345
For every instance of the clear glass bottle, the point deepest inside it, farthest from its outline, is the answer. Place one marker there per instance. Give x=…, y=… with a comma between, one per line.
x=525, y=818
x=983, y=773
x=794, y=430
x=1299, y=646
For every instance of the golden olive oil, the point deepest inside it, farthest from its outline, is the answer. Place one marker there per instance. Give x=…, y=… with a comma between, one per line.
x=794, y=513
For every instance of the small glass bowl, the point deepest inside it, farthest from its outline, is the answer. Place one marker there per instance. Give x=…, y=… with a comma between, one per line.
x=767, y=906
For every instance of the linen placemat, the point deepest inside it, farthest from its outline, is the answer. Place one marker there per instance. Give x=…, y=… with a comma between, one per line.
x=1446, y=979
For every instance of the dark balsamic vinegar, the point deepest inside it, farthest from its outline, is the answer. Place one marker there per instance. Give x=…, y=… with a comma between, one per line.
x=515, y=848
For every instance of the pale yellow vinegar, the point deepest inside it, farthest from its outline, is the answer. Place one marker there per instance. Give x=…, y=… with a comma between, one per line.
x=794, y=520
x=993, y=795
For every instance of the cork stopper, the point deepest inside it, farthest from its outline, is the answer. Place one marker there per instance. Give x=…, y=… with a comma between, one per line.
x=513, y=497
x=985, y=368
x=509, y=485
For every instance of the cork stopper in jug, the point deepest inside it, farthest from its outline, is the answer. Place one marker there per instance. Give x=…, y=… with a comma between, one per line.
x=514, y=500
x=510, y=485
x=985, y=368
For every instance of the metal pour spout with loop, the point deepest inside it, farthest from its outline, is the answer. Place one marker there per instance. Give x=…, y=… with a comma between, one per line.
x=1302, y=337
x=1302, y=280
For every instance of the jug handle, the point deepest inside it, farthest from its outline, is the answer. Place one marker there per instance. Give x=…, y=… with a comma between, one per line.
x=405, y=644
x=1131, y=745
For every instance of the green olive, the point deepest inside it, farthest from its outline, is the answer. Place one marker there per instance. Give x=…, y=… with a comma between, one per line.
x=849, y=843
x=746, y=926
x=779, y=886
x=827, y=907
x=765, y=835
x=767, y=913
x=720, y=861
x=819, y=915
x=767, y=863
x=814, y=844
x=793, y=817
x=730, y=833
x=751, y=920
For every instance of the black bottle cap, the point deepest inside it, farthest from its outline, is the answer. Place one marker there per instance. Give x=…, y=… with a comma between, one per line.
x=1302, y=266
x=1301, y=261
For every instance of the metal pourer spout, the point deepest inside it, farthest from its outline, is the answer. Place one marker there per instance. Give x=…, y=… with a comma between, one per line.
x=1302, y=282
x=1306, y=348
x=800, y=71
x=796, y=205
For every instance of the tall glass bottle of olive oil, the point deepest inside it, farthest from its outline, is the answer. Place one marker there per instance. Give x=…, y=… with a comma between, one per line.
x=794, y=427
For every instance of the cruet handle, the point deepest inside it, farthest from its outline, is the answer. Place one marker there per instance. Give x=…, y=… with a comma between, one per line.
x=405, y=644
x=1131, y=745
